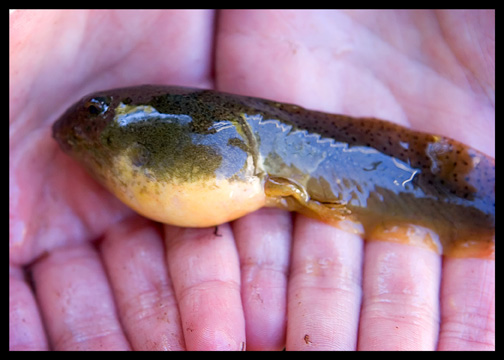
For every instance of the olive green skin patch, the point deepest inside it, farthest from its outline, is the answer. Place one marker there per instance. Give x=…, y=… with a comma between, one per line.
x=147, y=143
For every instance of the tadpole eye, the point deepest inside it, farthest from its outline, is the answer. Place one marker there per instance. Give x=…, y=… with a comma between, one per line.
x=93, y=109
x=97, y=105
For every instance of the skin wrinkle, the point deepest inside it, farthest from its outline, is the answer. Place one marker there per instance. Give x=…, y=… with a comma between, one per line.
x=474, y=81
x=471, y=322
x=389, y=39
x=147, y=303
x=255, y=267
x=327, y=270
x=331, y=270
x=417, y=312
x=78, y=339
x=204, y=286
x=469, y=75
x=88, y=331
x=468, y=336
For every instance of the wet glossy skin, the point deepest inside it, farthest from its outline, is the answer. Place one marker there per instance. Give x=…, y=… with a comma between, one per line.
x=194, y=157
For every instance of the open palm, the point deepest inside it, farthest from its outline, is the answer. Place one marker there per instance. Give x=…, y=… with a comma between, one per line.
x=88, y=273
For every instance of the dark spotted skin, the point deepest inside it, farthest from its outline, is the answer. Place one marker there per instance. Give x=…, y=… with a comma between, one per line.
x=454, y=160
x=451, y=189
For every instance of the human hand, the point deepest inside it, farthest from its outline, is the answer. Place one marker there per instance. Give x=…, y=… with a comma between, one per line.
x=105, y=278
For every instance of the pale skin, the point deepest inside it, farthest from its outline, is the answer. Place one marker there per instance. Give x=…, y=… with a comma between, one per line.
x=102, y=277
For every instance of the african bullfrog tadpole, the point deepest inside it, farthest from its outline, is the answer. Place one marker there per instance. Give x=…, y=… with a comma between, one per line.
x=197, y=158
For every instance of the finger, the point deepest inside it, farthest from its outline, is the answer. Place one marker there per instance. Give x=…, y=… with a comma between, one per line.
x=76, y=302
x=467, y=305
x=133, y=256
x=263, y=241
x=324, y=287
x=26, y=331
x=205, y=272
x=400, y=303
